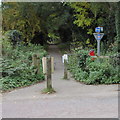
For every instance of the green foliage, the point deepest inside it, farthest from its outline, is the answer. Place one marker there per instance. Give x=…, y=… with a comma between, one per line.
x=81, y=56
x=19, y=16
x=115, y=59
x=14, y=36
x=64, y=47
x=87, y=16
x=117, y=22
x=81, y=14
x=32, y=18
x=74, y=22
x=102, y=71
x=17, y=70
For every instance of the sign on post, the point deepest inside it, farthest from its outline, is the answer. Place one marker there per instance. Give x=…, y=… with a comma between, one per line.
x=98, y=29
x=65, y=57
x=65, y=60
x=98, y=36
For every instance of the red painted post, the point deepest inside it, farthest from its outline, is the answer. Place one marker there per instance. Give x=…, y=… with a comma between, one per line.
x=92, y=53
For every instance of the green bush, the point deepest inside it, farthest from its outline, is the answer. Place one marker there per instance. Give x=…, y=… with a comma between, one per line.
x=17, y=69
x=14, y=36
x=115, y=59
x=81, y=57
x=99, y=71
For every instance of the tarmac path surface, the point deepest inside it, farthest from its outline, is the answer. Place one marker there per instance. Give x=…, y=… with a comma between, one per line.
x=71, y=100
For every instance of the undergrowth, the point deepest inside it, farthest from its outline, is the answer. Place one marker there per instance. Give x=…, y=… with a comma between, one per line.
x=94, y=71
x=16, y=63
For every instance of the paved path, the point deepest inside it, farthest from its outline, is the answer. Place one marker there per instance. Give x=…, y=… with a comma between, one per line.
x=72, y=100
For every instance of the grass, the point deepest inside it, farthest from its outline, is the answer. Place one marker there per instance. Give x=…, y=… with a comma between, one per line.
x=48, y=91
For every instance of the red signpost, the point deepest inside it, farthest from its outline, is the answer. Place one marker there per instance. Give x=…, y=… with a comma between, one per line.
x=92, y=53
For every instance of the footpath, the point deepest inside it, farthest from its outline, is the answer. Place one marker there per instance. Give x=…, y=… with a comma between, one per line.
x=71, y=100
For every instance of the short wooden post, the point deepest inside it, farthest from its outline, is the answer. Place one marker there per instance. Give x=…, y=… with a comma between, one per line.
x=38, y=64
x=65, y=69
x=48, y=73
x=47, y=70
x=34, y=60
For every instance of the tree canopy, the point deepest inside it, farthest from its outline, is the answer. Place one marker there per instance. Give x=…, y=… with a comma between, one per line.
x=74, y=22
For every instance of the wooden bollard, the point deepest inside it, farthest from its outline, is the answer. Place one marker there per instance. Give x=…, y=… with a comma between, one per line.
x=38, y=64
x=48, y=73
x=65, y=70
x=48, y=66
x=65, y=60
x=34, y=60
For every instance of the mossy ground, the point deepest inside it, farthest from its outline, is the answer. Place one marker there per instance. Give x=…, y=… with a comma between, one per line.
x=48, y=91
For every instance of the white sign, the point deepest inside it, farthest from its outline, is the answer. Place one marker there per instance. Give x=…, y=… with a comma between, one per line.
x=101, y=29
x=65, y=57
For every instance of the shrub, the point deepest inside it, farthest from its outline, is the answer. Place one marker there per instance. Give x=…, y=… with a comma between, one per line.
x=99, y=71
x=115, y=59
x=17, y=69
x=81, y=57
x=14, y=36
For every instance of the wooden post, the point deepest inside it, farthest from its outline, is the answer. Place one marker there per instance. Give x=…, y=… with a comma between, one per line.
x=47, y=70
x=44, y=64
x=34, y=60
x=48, y=73
x=52, y=64
x=65, y=69
x=38, y=64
